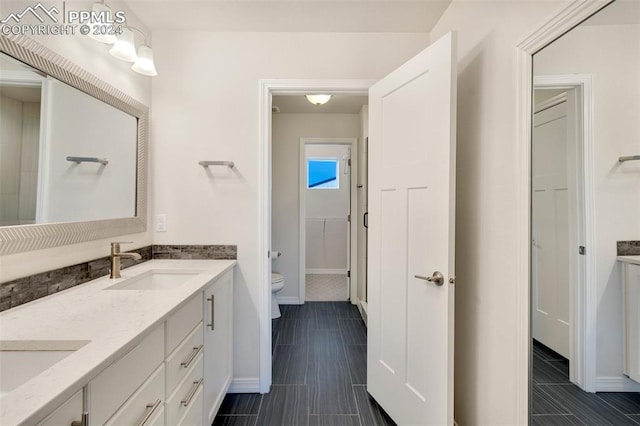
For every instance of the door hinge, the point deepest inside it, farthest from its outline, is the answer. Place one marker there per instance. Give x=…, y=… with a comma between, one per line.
x=349, y=162
x=582, y=250
x=348, y=274
x=349, y=218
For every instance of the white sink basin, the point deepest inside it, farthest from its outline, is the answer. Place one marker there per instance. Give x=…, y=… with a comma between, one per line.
x=21, y=361
x=156, y=279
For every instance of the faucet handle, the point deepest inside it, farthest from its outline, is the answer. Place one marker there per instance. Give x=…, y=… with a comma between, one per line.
x=115, y=245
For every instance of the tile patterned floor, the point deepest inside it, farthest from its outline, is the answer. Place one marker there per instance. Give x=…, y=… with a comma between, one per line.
x=319, y=373
x=556, y=401
x=326, y=287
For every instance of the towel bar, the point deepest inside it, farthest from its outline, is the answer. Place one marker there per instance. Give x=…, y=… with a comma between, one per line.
x=79, y=160
x=229, y=164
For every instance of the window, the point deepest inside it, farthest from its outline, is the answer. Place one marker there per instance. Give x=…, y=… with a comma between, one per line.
x=322, y=173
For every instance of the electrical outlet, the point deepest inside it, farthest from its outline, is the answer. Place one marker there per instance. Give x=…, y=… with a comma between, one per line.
x=161, y=223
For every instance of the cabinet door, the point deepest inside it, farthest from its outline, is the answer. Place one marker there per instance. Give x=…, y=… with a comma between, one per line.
x=218, y=343
x=67, y=413
x=632, y=321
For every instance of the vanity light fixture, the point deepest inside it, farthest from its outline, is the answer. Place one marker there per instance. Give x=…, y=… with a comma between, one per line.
x=318, y=99
x=144, y=64
x=101, y=9
x=125, y=47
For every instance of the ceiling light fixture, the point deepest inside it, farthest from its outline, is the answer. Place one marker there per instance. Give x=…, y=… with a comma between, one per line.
x=318, y=99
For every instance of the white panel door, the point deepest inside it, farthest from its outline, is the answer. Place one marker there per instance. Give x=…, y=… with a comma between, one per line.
x=550, y=229
x=411, y=233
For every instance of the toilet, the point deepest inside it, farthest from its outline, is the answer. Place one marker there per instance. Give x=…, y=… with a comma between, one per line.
x=277, y=284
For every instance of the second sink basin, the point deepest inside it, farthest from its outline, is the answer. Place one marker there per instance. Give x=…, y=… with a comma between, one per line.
x=20, y=361
x=156, y=279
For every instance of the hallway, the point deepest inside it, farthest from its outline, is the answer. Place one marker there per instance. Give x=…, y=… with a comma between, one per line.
x=319, y=373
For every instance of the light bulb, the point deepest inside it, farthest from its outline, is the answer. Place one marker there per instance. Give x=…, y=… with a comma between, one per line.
x=125, y=48
x=144, y=64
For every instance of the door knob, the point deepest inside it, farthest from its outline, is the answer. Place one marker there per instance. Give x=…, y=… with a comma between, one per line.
x=437, y=278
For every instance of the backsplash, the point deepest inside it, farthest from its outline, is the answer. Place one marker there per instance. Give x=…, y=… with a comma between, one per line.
x=628, y=248
x=195, y=252
x=17, y=292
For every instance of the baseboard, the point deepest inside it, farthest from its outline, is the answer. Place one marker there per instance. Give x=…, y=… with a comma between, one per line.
x=616, y=384
x=363, y=308
x=251, y=385
x=288, y=300
x=327, y=271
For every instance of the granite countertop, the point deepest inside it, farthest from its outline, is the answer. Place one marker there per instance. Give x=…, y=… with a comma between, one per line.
x=113, y=321
x=630, y=259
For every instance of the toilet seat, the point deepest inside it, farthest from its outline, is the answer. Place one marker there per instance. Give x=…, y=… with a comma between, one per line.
x=277, y=282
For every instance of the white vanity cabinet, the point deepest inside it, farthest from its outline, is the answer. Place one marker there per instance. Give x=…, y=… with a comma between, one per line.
x=159, y=356
x=218, y=343
x=69, y=412
x=632, y=321
x=124, y=389
x=184, y=351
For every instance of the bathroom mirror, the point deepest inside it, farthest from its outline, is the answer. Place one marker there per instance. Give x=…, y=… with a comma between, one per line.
x=584, y=198
x=73, y=152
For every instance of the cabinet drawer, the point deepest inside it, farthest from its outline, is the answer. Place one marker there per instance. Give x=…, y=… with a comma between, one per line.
x=182, y=322
x=157, y=419
x=183, y=357
x=186, y=391
x=113, y=386
x=193, y=415
x=68, y=412
x=143, y=404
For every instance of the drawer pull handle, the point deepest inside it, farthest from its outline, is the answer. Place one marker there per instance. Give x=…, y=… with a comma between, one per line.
x=196, y=351
x=83, y=422
x=151, y=408
x=212, y=299
x=187, y=400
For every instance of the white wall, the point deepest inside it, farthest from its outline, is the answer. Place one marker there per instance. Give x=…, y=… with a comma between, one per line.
x=285, y=196
x=205, y=107
x=93, y=57
x=611, y=55
x=487, y=197
x=326, y=227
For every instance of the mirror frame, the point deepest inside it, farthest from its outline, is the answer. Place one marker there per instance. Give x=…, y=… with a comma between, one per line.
x=22, y=238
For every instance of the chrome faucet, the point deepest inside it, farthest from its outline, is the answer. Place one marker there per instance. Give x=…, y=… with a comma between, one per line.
x=115, y=258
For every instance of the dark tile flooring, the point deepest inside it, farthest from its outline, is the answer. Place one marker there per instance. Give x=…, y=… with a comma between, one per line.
x=319, y=373
x=556, y=401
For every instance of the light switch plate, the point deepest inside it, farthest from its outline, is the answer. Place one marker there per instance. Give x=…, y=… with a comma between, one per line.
x=161, y=223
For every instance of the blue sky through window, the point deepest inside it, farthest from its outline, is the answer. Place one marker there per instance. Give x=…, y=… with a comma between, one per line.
x=322, y=173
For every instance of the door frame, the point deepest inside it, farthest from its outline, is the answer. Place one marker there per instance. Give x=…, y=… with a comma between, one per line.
x=566, y=18
x=583, y=297
x=266, y=89
x=353, y=200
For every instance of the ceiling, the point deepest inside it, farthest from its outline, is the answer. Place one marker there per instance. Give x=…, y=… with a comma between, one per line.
x=339, y=104
x=290, y=16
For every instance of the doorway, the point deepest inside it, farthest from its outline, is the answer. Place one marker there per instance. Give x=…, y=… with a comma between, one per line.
x=327, y=167
x=562, y=225
x=269, y=89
